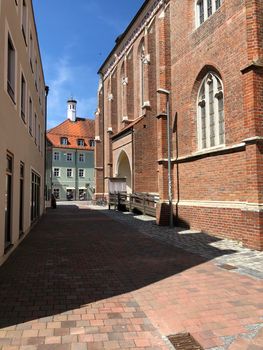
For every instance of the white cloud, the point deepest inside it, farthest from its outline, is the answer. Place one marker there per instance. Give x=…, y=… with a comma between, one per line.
x=86, y=107
x=68, y=80
x=57, y=85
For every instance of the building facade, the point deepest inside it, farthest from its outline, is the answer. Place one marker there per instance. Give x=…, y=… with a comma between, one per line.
x=204, y=60
x=22, y=130
x=72, y=148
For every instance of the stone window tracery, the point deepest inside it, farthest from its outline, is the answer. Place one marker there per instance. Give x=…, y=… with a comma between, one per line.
x=122, y=85
x=141, y=72
x=205, y=9
x=211, y=124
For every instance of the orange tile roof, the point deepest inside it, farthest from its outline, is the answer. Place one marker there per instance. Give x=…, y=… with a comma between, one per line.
x=80, y=129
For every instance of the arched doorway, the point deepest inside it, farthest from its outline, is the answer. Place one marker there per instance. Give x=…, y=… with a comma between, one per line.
x=124, y=170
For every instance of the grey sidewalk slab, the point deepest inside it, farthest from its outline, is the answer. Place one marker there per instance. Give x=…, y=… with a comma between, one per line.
x=222, y=251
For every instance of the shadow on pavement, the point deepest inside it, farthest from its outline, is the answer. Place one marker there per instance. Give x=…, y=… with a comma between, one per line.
x=74, y=257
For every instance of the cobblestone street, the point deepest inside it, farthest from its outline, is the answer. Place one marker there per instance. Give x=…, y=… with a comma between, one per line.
x=87, y=279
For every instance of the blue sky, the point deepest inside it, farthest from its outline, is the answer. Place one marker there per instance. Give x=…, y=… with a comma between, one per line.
x=75, y=38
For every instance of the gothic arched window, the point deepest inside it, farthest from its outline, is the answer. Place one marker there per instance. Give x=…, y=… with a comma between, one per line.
x=122, y=90
x=210, y=115
x=141, y=72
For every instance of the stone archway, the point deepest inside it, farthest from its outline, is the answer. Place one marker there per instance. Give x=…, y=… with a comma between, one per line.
x=124, y=170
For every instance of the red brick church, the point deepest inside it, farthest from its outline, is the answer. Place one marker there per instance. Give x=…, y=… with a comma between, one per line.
x=207, y=56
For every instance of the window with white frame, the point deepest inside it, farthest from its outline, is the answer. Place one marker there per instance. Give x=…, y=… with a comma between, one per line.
x=31, y=49
x=56, y=193
x=81, y=157
x=56, y=155
x=38, y=136
x=81, y=142
x=92, y=143
x=35, y=129
x=30, y=116
x=205, y=8
x=64, y=140
x=81, y=173
x=11, y=69
x=210, y=123
x=42, y=142
x=69, y=172
x=69, y=157
x=56, y=172
x=36, y=73
x=24, y=20
x=23, y=98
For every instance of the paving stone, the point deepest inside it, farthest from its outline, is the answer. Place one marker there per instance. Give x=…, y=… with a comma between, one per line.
x=79, y=346
x=109, y=283
x=248, y=262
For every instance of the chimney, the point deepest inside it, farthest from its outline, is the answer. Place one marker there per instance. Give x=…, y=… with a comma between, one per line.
x=72, y=112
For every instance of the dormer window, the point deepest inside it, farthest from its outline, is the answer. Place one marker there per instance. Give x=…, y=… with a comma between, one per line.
x=81, y=142
x=64, y=141
x=205, y=9
x=92, y=143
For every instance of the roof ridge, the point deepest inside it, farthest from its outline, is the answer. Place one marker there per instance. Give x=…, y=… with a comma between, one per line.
x=57, y=125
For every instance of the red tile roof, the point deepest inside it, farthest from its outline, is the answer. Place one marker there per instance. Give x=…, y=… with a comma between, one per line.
x=80, y=129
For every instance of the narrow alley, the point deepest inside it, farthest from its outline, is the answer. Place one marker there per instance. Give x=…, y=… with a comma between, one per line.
x=82, y=280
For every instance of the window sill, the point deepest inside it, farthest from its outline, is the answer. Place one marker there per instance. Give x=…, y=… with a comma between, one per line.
x=207, y=153
x=8, y=248
x=11, y=95
x=31, y=65
x=212, y=151
x=199, y=25
x=23, y=117
x=24, y=35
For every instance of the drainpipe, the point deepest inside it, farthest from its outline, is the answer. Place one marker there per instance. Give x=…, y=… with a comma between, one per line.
x=170, y=195
x=76, y=174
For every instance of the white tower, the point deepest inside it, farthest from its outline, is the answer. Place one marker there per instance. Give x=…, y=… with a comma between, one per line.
x=72, y=110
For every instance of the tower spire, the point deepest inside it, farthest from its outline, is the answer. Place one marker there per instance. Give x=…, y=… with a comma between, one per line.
x=72, y=109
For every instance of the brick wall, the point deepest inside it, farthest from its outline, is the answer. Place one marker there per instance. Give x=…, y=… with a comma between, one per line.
x=229, y=43
x=219, y=45
x=145, y=141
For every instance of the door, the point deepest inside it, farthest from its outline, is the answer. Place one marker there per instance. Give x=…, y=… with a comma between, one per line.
x=21, y=200
x=8, y=200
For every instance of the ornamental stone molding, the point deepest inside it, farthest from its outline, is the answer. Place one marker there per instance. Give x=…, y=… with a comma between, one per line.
x=131, y=38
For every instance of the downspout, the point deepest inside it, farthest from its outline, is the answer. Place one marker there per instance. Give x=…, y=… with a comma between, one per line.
x=76, y=174
x=45, y=148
